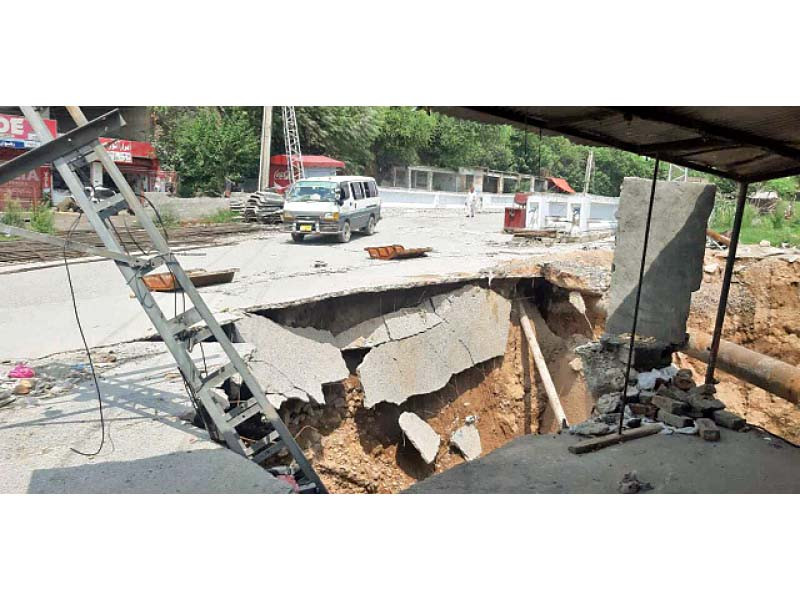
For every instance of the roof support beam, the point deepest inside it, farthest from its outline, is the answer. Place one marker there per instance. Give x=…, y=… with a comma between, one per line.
x=703, y=127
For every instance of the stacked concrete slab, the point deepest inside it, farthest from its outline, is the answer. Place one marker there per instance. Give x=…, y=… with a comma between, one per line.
x=674, y=264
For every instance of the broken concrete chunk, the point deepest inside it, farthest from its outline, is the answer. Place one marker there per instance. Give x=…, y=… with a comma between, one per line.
x=468, y=441
x=729, y=420
x=408, y=322
x=704, y=404
x=608, y=403
x=647, y=379
x=670, y=405
x=708, y=430
x=590, y=428
x=480, y=319
x=421, y=435
x=676, y=421
x=367, y=334
x=292, y=362
x=473, y=328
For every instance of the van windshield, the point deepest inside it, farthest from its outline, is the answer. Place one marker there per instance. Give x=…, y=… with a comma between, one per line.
x=313, y=191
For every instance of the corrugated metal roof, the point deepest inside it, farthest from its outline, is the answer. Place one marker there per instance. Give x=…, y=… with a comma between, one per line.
x=745, y=143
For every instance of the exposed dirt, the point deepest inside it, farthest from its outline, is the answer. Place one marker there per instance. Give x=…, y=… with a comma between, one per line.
x=358, y=450
x=762, y=315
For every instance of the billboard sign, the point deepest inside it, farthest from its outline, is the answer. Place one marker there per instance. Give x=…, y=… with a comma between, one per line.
x=16, y=132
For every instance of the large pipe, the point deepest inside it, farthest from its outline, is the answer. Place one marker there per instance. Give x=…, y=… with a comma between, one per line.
x=770, y=374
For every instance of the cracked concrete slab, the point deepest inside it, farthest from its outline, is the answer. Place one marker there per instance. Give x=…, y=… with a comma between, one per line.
x=472, y=328
x=421, y=435
x=292, y=362
x=408, y=322
x=367, y=334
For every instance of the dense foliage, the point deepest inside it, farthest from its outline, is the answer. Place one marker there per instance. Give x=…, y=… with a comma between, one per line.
x=208, y=144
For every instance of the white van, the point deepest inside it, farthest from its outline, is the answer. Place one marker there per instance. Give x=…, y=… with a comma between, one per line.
x=336, y=205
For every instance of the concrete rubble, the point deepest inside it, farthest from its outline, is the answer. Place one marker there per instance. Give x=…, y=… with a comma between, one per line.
x=421, y=435
x=468, y=441
x=292, y=362
x=441, y=337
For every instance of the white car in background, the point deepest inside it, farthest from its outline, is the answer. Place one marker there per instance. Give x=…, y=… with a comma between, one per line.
x=336, y=205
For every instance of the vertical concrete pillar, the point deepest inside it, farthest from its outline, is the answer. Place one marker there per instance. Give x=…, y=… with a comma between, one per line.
x=430, y=181
x=500, y=184
x=409, y=178
x=96, y=172
x=541, y=214
x=586, y=208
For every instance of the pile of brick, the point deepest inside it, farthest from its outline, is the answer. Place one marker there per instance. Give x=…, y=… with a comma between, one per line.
x=669, y=396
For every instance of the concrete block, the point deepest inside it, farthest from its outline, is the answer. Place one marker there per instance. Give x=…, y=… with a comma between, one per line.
x=674, y=262
x=729, y=420
x=468, y=441
x=421, y=435
x=704, y=404
x=673, y=420
x=590, y=428
x=670, y=405
x=292, y=362
x=708, y=430
x=643, y=410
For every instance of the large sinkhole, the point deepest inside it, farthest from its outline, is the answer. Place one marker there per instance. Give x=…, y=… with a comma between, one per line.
x=382, y=389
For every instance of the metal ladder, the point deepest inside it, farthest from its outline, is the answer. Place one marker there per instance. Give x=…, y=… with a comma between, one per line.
x=70, y=152
x=291, y=134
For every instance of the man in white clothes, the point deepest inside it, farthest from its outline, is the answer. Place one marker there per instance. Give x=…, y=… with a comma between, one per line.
x=472, y=200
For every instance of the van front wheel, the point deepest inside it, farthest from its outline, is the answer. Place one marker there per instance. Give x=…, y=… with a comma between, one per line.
x=344, y=234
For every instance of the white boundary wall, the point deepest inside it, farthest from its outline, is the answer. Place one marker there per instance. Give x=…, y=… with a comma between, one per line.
x=545, y=210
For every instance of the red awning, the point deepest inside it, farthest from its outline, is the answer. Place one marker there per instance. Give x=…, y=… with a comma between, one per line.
x=310, y=160
x=561, y=184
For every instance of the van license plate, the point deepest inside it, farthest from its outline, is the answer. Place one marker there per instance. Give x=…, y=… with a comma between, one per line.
x=305, y=227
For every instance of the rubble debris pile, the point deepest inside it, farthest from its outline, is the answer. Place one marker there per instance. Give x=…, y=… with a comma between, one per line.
x=666, y=395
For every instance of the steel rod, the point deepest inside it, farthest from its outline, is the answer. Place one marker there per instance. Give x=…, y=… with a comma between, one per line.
x=624, y=392
x=726, y=282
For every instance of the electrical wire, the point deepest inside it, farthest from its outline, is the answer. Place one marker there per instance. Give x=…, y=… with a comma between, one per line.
x=86, y=348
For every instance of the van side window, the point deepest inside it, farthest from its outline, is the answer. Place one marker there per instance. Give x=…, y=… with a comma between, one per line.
x=373, y=189
x=367, y=190
x=358, y=192
x=345, y=191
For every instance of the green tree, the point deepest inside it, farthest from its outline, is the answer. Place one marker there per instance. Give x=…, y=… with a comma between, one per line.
x=207, y=145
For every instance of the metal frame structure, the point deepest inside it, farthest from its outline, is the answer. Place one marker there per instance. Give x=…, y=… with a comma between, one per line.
x=181, y=333
x=291, y=135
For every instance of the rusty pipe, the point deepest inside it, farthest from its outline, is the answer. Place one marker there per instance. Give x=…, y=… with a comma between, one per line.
x=770, y=374
x=718, y=237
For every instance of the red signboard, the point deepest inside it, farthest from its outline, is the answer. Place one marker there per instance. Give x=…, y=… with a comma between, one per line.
x=16, y=132
x=124, y=151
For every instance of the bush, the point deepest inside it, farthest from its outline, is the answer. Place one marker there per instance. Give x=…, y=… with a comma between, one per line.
x=13, y=215
x=42, y=219
x=169, y=218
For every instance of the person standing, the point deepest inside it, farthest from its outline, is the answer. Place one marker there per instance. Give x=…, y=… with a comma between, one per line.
x=469, y=206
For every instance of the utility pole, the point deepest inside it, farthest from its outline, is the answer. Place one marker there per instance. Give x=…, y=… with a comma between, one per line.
x=589, y=167
x=95, y=167
x=266, y=141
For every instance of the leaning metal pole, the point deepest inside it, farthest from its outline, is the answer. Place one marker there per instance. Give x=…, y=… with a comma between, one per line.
x=726, y=282
x=624, y=392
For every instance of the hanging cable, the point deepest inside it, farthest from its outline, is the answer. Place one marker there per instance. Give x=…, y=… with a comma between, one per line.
x=624, y=392
x=85, y=346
